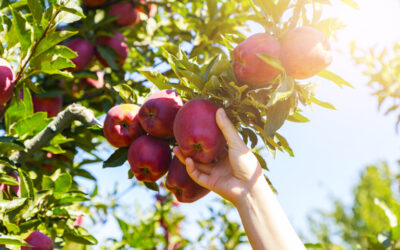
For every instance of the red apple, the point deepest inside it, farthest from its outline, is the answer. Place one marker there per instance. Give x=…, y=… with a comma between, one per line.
x=38, y=241
x=117, y=43
x=179, y=182
x=149, y=158
x=122, y=126
x=85, y=53
x=197, y=132
x=6, y=81
x=51, y=105
x=94, y=3
x=251, y=69
x=99, y=83
x=158, y=113
x=128, y=15
x=305, y=52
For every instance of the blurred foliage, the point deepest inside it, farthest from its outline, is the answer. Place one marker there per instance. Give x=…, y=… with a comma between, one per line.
x=370, y=221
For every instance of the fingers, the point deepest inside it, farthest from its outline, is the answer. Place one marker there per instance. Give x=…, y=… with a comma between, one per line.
x=178, y=153
x=199, y=177
x=205, y=168
x=229, y=131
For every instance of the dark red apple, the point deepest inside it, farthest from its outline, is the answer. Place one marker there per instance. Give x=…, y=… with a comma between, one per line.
x=179, y=182
x=158, y=113
x=197, y=132
x=51, y=105
x=122, y=126
x=149, y=158
x=305, y=52
x=128, y=15
x=94, y=3
x=6, y=81
x=250, y=68
x=38, y=241
x=85, y=53
x=118, y=44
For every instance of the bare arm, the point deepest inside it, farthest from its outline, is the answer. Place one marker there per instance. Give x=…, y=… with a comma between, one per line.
x=237, y=177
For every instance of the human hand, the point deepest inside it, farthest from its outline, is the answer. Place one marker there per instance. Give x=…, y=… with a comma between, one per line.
x=235, y=172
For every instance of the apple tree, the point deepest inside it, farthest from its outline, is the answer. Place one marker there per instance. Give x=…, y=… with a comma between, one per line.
x=66, y=65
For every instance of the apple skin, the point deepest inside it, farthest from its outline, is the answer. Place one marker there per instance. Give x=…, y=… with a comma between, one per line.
x=158, y=113
x=78, y=221
x=152, y=8
x=117, y=42
x=149, y=158
x=85, y=53
x=51, y=105
x=99, y=83
x=6, y=81
x=251, y=69
x=39, y=241
x=196, y=131
x=122, y=126
x=128, y=15
x=94, y=3
x=305, y=51
x=179, y=182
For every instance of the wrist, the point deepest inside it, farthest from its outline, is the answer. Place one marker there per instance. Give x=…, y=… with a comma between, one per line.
x=255, y=190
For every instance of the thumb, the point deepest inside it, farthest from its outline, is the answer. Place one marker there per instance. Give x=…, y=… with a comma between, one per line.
x=229, y=131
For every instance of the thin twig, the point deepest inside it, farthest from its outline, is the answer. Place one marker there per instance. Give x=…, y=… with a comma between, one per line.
x=296, y=14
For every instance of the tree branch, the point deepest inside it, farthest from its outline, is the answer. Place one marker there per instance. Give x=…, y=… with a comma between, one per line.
x=64, y=119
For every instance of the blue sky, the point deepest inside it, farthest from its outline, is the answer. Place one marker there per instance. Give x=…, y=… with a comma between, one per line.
x=331, y=149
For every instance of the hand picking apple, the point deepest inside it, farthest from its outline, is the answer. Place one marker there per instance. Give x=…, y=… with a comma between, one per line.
x=237, y=177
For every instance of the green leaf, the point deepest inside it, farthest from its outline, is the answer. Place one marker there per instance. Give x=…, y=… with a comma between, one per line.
x=334, y=78
x=12, y=240
x=70, y=12
x=7, y=206
x=126, y=92
x=117, y=158
x=31, y=125
x=192, y=77
x=160, y=81
x=36, y=9
x=217, y=67
x=63, y=183
x=276, y=116
x=151, y=185
x=109, y=55
x=351, y=3
x=322, y=104
x=261, y=160
x=52, y=39
x=272, y=61
x=80, y=235
x=297, y=117
x=26, y=185
x=47, y=183
x=314, y=246
x=7, y=146
x=7, y=179
x=284, y=90
x=23, y=30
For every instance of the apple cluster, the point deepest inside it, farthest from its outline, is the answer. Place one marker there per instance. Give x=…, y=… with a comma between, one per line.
x=303, y=52
x=164, y=120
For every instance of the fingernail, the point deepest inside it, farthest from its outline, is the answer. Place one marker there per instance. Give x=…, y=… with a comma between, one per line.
x=221, y=113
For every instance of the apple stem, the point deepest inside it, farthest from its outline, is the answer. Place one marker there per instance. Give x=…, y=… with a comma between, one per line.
x=64, y=119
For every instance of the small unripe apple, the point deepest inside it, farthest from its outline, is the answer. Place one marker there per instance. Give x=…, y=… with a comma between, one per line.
x=94, y=3
x=128, y=15
x=181, y=185
x=149, y=158
x=118, y=44
x=158, y=113
x=122, y=126
x=85, y=53
x=249, y=67
x=51, y=105
x=196, y=130
x=38, y=241
x=305, y=51
x=6, y=81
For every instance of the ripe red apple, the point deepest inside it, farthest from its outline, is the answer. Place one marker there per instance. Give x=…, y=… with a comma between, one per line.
x=305, y=52
x=197, y=132
x=149, y=158
x=122, y=125
x=97, y=83
x=85, y=53
x=251, y=69
x=179, y=182
x=6, y=81
x=51, y=105
x=158, y=113
x=151, y=7
x=38, y=241
x=116, y=42
x=94, y=3
x=128, y=15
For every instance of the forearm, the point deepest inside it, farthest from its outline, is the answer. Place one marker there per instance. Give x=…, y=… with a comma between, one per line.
x=265, y=223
